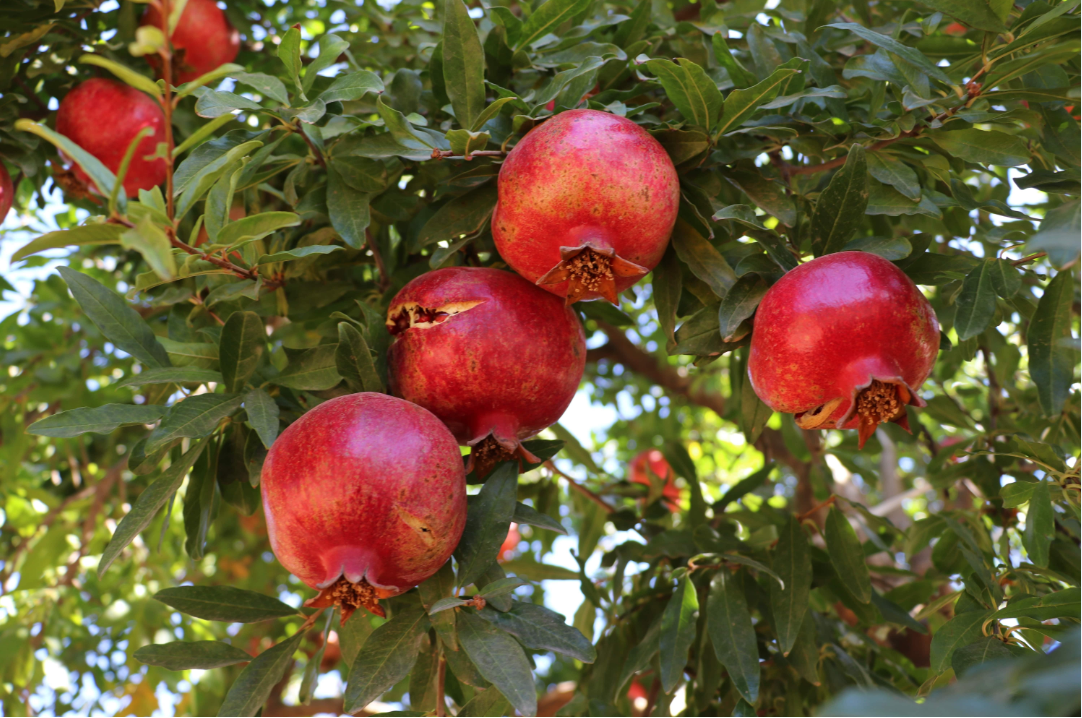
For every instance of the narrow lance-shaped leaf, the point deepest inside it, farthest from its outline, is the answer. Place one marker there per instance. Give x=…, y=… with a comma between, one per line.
x=224, y=603
x=463, y=63
x=253, y=686
x=740, y=104
x=792, y=562
x=354, y=361
x=547, y=18
x=540, y=629
x=487, y=521
x=731, y=632
x=241, y=346
x=98, y=173
x=847, y=556
x=678, y=623
x=262, y=413
x=500, y=659
x=99, y=420
x=1051, y=358
x=1040, y=525
x=348, y=209
x=840, y=207
x=976, y=303
x=194, y=417
x=388, y=656
x=186, y=655
x=740, y=303
x=690, y=89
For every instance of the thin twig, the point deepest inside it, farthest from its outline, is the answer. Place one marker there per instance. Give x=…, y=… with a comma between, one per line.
x=1027, y=260
x=450, y=155
x=581, y=489
x=811, y=512
x=441, y=689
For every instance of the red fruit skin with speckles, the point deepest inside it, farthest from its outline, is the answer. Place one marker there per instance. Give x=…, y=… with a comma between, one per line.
x=204, y=33
x=584, y=176
x=7, y=192
x=103, y=116
x=510, y=365
x=830, y=326
x=365, y=486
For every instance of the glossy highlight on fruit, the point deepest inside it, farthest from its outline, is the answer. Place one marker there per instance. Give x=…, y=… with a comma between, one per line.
x=494, y=357
x=587, y=202
x=365, y=497
x=845, y=340
x=203, y=39
x=7, y=192
x=653, y=462
x=103, y=116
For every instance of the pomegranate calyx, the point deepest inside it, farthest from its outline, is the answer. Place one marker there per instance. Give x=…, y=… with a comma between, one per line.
x=879, y=402
x=348, y=596
x=491, y=451
x=818, y=416
x=411, y=315
x=591, y=269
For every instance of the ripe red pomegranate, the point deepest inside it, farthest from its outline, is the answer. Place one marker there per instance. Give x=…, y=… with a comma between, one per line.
x=493, y=356
x=202, y=40
x=507, y=548
x=587, y=201
x=103, y=116
x=846, y=338
x=365, y=497
x=7, y=192
x=653, y=461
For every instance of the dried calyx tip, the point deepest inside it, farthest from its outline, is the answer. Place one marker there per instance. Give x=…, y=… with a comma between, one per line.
x=348, y=596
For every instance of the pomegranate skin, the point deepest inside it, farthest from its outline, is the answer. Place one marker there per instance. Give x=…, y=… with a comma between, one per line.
x=368, y=488
x=7, y=192
x=205, y=35
x=653, y=461
x=506, y=366
x=103, y=116
x=585, y=179
x=832, y=326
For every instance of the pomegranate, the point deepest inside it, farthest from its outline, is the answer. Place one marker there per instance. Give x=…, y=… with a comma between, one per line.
x=103, y=116
x=845, y=339
x=587, y=201
x=653, y=461
x=203, y=39
x=507, y=548
x=365, y=497
x=493, y=356
x=7, y=192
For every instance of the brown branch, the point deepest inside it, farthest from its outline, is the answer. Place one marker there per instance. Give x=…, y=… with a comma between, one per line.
x=450, y=155
x=1030, y=258
x=167, y=106
x=581, y=489
x=441, y=689
x=311, y=145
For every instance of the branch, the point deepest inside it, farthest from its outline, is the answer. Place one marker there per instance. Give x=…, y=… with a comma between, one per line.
x=581, y=489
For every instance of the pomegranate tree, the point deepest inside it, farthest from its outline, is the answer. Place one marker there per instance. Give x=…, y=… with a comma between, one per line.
x=845, y=340
x=7, y=192
x=493, y=356
x=365, y=497
x=203, y=39
x=103, y=116
x=653, y=462
x=587, y=201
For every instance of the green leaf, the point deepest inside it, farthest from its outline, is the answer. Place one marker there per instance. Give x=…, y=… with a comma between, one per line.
x=361, y=173
x=741, y=104
x=263, y=415
x=330, y=48
x=792, y=562
x=847, y=556
x=540, y=629
x=535, y=571
x=172, y=375
x=289, y=52
x=744, y=487
x=463, y=63
x=839, y=211
x=976, y=303
x=215, y=103
x=740, y=76
x=464, y=215
x=689, y=88
x=348, y=209
x=86, y=235
x=99, y=420
x=224, y=603
x=975, y=13
x=804, y=656
x=989, y=648
x=896, y=173
x=257, y=226
x=893, y=613
x=532, y=517
x=124, y=73
x=199, y=502
x=704, y=261
x=1051, y=358
x=253, y=686
x=445, y=604
x=1060, y=604
x=193, y=417
x=754, y=413
x=434, y=589
x=911, y=55
x=501, y=587
x=98, y=173
x=666, y=286
x=983, y=147
x=678, y=623
x=207, y=162
x=354, y=361
x=889, y=248
x=547, y=19
x=352, y=86
x=1058, y=234
x=740, y=303
x=120, y=324
x=500, y=659
x=1006, y=279
x=240, y=348
x=963, y=629
x=298, y=253
x=150, y=241
x=767, y=195
x=487, y=521
x=264, y=84
x=147, y=505
x=186, y=655
x=1040, y=525
x=731, y=632
x=489, y=702
x=388, y=656
x=314, y=370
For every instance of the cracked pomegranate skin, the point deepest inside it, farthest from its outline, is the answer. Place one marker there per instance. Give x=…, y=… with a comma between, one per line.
x=508, y=366
x=365, y=486
x=7, y=192
x=585, y=176
x=829, y=327
x=103, y=116
x=205, y=34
